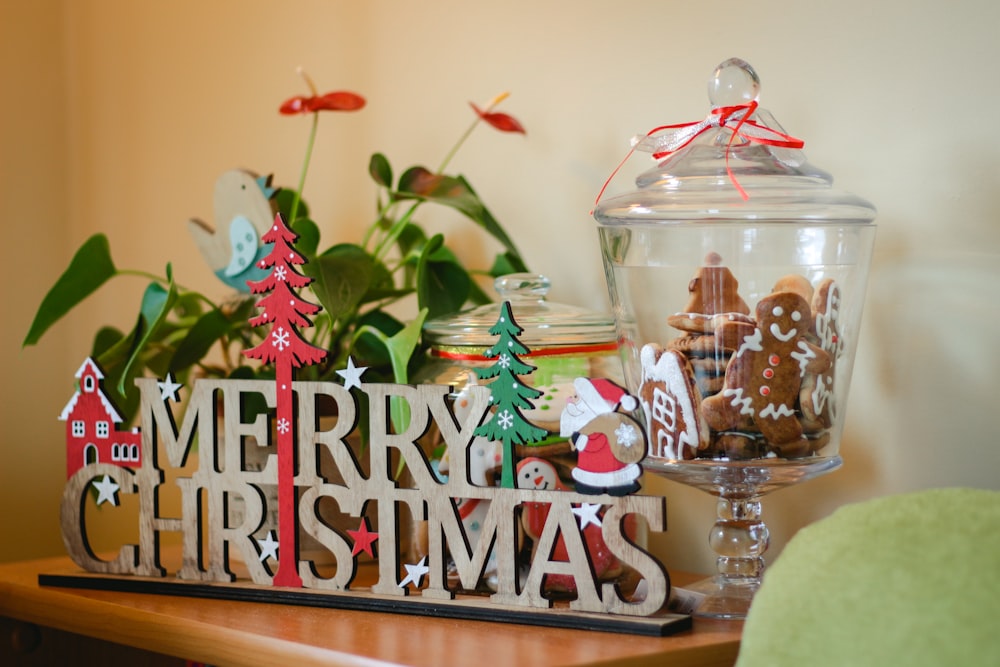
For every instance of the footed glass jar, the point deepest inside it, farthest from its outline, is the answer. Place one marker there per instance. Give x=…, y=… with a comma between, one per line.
x=737, y=276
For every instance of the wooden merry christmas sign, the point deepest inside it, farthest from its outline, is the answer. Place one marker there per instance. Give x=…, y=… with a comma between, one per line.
x=574, y=531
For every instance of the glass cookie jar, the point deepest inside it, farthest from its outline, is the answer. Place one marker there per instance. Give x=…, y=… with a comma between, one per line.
x=737, y=275
x=704, y=260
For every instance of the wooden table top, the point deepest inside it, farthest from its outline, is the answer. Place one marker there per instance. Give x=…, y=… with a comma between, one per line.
x=222, y=632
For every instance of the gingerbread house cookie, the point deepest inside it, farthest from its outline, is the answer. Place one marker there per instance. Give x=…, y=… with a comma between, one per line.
x=670, y=400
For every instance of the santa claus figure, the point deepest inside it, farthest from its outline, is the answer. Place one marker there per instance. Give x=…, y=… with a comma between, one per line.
x=609, y=443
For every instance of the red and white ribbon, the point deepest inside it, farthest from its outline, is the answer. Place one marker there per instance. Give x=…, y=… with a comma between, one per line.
x=665, y=140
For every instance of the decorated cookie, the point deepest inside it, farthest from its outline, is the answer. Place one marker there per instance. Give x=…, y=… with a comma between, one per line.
x=816, y=396
x=701, y=323
x=540, y=475
x=701, y=345
x=764, y=377
x=797, y=283
x=714, y=290
x=739, y=445
x=670, y=398
x=536, y=473
x=713, y=297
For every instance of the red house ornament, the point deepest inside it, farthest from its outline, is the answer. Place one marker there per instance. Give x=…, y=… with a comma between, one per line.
x=92, y=434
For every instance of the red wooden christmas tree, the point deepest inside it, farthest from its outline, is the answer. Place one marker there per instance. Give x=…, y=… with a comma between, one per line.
x=285, y=312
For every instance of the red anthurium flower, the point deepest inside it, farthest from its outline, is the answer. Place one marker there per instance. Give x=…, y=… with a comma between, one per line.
x=339, y=100
x=336, y=101
x=501, y=121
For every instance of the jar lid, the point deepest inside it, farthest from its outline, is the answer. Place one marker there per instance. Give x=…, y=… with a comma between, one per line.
x=738, y=164
x=546, y=324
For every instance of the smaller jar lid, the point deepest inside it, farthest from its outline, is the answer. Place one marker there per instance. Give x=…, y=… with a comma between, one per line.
x=546, y=325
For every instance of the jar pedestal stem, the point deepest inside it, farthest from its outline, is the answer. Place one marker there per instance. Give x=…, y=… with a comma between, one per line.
x=740, y=538
x=739, y=535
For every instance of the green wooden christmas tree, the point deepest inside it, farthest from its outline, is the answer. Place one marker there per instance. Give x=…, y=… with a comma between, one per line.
x=508, y=394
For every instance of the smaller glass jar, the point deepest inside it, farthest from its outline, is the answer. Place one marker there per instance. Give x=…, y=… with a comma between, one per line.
x=565, y=342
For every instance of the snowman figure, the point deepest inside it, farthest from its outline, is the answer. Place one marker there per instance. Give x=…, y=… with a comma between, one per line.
x=609, y=444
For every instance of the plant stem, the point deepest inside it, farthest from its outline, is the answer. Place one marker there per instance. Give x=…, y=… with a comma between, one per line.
x=458, y=144
x=472, y=126
x=397, y=228
x=165, y=281
x=293, y=213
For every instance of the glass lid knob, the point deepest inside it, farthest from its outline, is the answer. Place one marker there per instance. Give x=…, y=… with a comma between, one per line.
x=734, y=82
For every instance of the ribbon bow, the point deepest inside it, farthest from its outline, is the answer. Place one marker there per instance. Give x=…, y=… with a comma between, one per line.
x=736, y=118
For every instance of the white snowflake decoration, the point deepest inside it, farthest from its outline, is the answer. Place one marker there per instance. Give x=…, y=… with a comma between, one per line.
x=279, y=338
x=505, y=419
x=626, y=435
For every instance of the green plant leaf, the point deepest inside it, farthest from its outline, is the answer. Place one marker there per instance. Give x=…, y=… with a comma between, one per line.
x=457, y=193
x=380, y=170
x=342, y=276
x=477, y=296
x=505, y=263
x=308, y=242
x=200, y=338
x=283, y=199
x=402, y=345
x=482, y=216
x=400, y=348
x=188, y=307
x=156, y=304
x=425, y=184
x=442, y=283
x=104, y=340
x=110, y=348
x=127, y=403
x=412, y=236
x=90, y=268
x=370, y=349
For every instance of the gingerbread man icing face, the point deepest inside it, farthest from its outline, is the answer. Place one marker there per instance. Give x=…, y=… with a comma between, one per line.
x=764, y=376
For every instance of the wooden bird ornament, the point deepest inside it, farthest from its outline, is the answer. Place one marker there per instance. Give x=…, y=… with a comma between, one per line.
x=244, y=210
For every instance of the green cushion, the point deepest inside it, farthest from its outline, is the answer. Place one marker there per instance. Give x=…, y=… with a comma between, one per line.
x=911, y=579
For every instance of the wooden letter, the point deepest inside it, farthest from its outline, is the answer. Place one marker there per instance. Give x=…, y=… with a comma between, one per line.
x=654, y=510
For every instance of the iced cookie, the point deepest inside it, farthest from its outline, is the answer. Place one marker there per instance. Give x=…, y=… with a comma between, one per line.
x=670, y=398
x=700, y=345
x=714, y=290
x=739, y=446
x=816, y=397
x=797, y=283
x=701, y=323
x=714, y=297
x=764, y=377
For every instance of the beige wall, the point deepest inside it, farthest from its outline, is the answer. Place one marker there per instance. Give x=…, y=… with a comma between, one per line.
x=118, y=115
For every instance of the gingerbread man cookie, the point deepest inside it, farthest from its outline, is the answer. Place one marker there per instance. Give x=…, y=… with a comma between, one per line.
x=764, y=377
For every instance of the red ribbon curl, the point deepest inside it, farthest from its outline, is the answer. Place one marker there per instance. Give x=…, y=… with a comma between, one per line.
x=735, y=118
